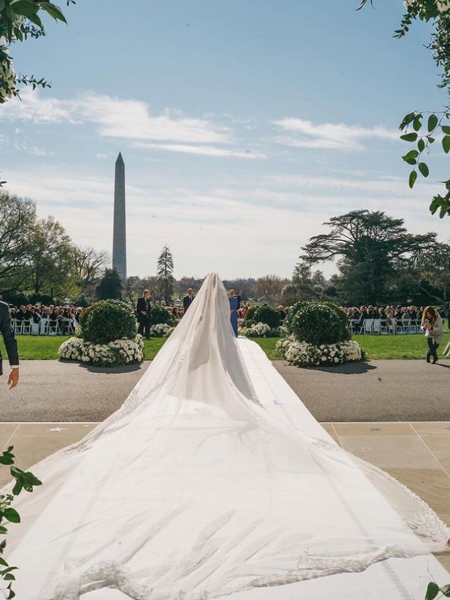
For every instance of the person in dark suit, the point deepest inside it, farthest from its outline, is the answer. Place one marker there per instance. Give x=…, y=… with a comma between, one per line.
x=188, y=300
x=10, y=344
x=143, y=314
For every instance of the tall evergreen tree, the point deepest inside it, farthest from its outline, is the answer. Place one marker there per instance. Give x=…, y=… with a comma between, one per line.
x=165, y=274
x=110, y=286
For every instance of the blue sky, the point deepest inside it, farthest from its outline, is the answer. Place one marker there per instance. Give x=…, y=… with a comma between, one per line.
x=244, y=125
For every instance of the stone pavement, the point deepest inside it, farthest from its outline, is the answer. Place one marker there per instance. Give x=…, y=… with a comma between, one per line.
x=417, y=454
x=379, y=390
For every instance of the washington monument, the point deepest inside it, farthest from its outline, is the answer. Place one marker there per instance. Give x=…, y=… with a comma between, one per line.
x=119, y=259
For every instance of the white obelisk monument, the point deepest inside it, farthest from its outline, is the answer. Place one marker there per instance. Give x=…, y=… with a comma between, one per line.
x=119, y=260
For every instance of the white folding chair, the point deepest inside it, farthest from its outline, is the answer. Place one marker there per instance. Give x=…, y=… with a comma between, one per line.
x=17, y=326
x=43, y=327
x=53, y=328
x=376, y=326
x=368, y=326
x=26, y=327
x=384, y=327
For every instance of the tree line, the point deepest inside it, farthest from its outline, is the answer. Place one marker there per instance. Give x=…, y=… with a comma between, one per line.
x=378, y=262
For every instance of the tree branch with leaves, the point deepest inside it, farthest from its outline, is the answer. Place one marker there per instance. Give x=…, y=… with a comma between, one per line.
x=418, y=129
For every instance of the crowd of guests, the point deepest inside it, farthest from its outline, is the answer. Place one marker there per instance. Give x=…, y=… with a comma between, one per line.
x=39, y=319
x=397, y=318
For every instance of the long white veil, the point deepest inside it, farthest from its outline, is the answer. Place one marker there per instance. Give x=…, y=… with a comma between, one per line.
x=193, y=490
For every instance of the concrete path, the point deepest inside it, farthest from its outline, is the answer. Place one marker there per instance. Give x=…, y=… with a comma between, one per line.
x=379, y=390
x=385, y=390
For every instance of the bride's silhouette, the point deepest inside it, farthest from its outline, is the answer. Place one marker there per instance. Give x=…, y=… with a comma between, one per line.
x=203, y=485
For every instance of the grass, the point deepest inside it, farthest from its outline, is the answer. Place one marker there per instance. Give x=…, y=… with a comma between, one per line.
x=412, y=346
x=46, y=347
x=376, y=347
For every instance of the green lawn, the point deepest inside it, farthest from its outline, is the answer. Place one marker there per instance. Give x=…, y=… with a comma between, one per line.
x=397, y=346
x=376, y=347
x=46, y=347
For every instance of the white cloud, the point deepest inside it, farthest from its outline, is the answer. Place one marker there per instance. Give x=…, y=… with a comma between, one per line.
x=114, y=117
x=305, y=134
x=203, y=150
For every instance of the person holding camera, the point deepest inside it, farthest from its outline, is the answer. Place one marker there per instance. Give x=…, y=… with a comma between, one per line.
x=434, y=331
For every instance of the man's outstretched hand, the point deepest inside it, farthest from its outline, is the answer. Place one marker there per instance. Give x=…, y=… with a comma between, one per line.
x=13, y=378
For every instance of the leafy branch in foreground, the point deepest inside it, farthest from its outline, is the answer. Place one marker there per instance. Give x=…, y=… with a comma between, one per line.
x=24, y=481
x=436, y=12
x=413, y=124
x=434, y=590
x=19, y=21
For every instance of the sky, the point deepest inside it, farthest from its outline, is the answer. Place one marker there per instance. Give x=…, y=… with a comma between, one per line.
x=244, y=126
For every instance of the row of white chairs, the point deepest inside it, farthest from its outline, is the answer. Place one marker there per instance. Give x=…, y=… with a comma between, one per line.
x=44, y=327
x=384, y=327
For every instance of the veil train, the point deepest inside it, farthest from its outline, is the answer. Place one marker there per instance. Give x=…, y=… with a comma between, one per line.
x=193, y=489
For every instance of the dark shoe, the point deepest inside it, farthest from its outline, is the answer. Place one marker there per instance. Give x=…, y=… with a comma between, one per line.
x=435, y=361
x=428, y=358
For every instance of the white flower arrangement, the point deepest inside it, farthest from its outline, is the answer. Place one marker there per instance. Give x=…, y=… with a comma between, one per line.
x=161, y=330
x=114, y=354
x=259, y=330
x=302, y=354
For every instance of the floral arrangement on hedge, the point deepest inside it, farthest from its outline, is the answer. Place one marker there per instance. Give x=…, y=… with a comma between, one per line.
x=106, y=336
x=161, y=330
x=318, y=334
x=302, y=354
x=259, y=330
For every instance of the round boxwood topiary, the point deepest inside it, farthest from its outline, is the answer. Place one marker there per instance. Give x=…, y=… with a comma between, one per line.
x=268, y=315
x=293, y=310
x=158, y=315
x=318, y=324
x=107, y=321
x=346, y=333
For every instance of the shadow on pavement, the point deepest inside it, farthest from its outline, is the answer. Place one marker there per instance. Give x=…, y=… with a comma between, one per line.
x=111, y=370
x=350, y=368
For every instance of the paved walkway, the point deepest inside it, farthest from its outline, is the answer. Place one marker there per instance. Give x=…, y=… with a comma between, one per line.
x=417, y=454
x=383, y=390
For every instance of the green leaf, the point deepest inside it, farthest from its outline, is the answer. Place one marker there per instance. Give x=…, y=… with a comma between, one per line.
x=446, y=591
x=423, y=168
x=12, y=515
x=8, y=570
x=432, y=591
x=9, y=576
x=446, y=143
x=53, y=11
x=412, y=179
x=3, y=529
x=409, y=137
x=430, y=139
x=17, y=488
x=446, y=129
x=3, y=562
x=407, y=120
x=417, y=123
x=36, y=20
x=432, y=122
x=421, y=145
x=25, y=8
x=5, y=460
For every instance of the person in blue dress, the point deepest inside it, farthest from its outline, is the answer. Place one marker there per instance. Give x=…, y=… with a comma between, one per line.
x=234, y=303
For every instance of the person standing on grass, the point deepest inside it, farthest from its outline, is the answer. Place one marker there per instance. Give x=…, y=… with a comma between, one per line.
x=10, y=344
x=143, y=314
x=434, y=331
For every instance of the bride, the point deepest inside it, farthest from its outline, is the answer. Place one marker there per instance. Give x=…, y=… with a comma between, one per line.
x=213, y=480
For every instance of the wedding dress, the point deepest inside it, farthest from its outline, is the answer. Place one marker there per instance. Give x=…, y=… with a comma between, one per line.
x=195, y=488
